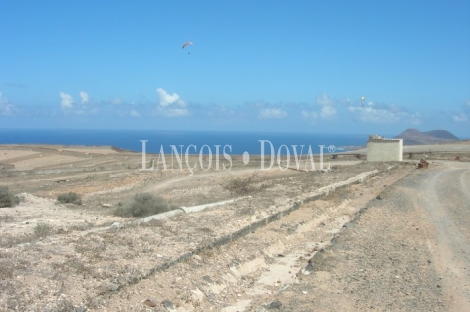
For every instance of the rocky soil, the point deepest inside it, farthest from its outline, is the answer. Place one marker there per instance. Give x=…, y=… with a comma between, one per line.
x=376, y=245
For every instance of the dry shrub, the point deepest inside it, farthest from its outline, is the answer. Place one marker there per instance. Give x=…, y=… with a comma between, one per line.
x=70, y=198
x=42, y=230
x=144, y=205
x=7, y=199
x=241, y=186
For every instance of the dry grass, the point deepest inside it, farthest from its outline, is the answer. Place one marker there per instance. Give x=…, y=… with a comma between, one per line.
x=144, y=205
x=70, y=198
x=41, y=230
x=7, y=199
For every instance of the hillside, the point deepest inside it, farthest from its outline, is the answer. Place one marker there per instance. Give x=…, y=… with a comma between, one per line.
x=416, y=137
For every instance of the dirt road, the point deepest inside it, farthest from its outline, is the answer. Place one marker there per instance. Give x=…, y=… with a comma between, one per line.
x=408, y=251
x=445, y=198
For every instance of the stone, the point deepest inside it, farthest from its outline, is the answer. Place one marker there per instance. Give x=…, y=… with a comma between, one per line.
x=208, y=279
x=150, y=303
x=170, y=306
x=308, y=269
x=115, y=225
x=197, y=295
x=273, y=305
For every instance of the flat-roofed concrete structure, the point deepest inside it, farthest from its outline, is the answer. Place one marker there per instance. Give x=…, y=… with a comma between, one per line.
x=382, y=149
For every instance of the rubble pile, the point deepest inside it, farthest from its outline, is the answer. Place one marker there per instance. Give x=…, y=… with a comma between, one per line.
x=423, y=164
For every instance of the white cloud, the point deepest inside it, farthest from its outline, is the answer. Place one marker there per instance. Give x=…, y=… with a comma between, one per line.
x=386, y=114
x=171, y=105
x=67, y=103
x=221, y=110
x=135, y=113
x=84, y=96
x=166, y=99
x=272, y=113
x=66, y=100
x=116, y=101
x=327, y=112
x=312, y=116
x=6, y=108
x=371, y=114
x=460, y=117
x=324, y=100
x=176, y=112
x=327, y=106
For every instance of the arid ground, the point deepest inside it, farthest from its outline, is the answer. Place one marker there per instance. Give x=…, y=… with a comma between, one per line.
x=356, y=236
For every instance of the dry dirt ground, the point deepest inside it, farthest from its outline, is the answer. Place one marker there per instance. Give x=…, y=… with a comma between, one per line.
x=351, y=250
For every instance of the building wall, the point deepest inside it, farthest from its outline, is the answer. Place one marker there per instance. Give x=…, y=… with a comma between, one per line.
x=385, y=150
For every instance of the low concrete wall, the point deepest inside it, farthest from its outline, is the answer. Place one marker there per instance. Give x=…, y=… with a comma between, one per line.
x=202, y=207
x=250, y=228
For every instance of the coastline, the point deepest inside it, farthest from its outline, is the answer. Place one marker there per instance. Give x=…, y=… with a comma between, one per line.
x=47, y=157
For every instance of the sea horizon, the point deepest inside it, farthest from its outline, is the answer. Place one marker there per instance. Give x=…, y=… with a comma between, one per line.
x=237, y=142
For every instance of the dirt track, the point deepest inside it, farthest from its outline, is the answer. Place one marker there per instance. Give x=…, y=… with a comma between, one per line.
x=408, y=251
x=445, y=198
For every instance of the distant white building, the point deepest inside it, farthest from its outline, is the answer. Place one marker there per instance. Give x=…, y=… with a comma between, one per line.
x=382, y=149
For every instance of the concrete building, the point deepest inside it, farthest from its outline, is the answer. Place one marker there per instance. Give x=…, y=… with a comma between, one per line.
x=382, y=149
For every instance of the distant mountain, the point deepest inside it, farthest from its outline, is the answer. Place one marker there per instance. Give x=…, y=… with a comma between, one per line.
x=416, y=137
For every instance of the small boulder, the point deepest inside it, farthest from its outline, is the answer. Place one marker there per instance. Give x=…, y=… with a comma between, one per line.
x=273, y=305
x=170, y=306
x=150, y=303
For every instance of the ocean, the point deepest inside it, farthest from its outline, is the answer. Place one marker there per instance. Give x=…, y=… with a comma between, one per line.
x=237, y=142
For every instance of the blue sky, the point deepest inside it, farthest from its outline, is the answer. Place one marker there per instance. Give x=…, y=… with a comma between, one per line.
x=293, y=66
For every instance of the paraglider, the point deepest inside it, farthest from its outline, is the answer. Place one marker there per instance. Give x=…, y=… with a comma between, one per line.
x=186, y=43
x=363, y=98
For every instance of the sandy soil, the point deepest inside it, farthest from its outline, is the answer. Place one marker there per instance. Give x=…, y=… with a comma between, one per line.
x=174, y=262
x=43, y=161
x=11, y=154
x=91, y=150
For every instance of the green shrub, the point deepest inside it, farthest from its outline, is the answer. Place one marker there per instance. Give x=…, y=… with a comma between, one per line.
x=42, y=230
x=7, y=199
x=144, y=205
x=70, y=198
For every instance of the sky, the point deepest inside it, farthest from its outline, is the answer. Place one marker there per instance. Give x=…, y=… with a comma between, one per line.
x=312, y=66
